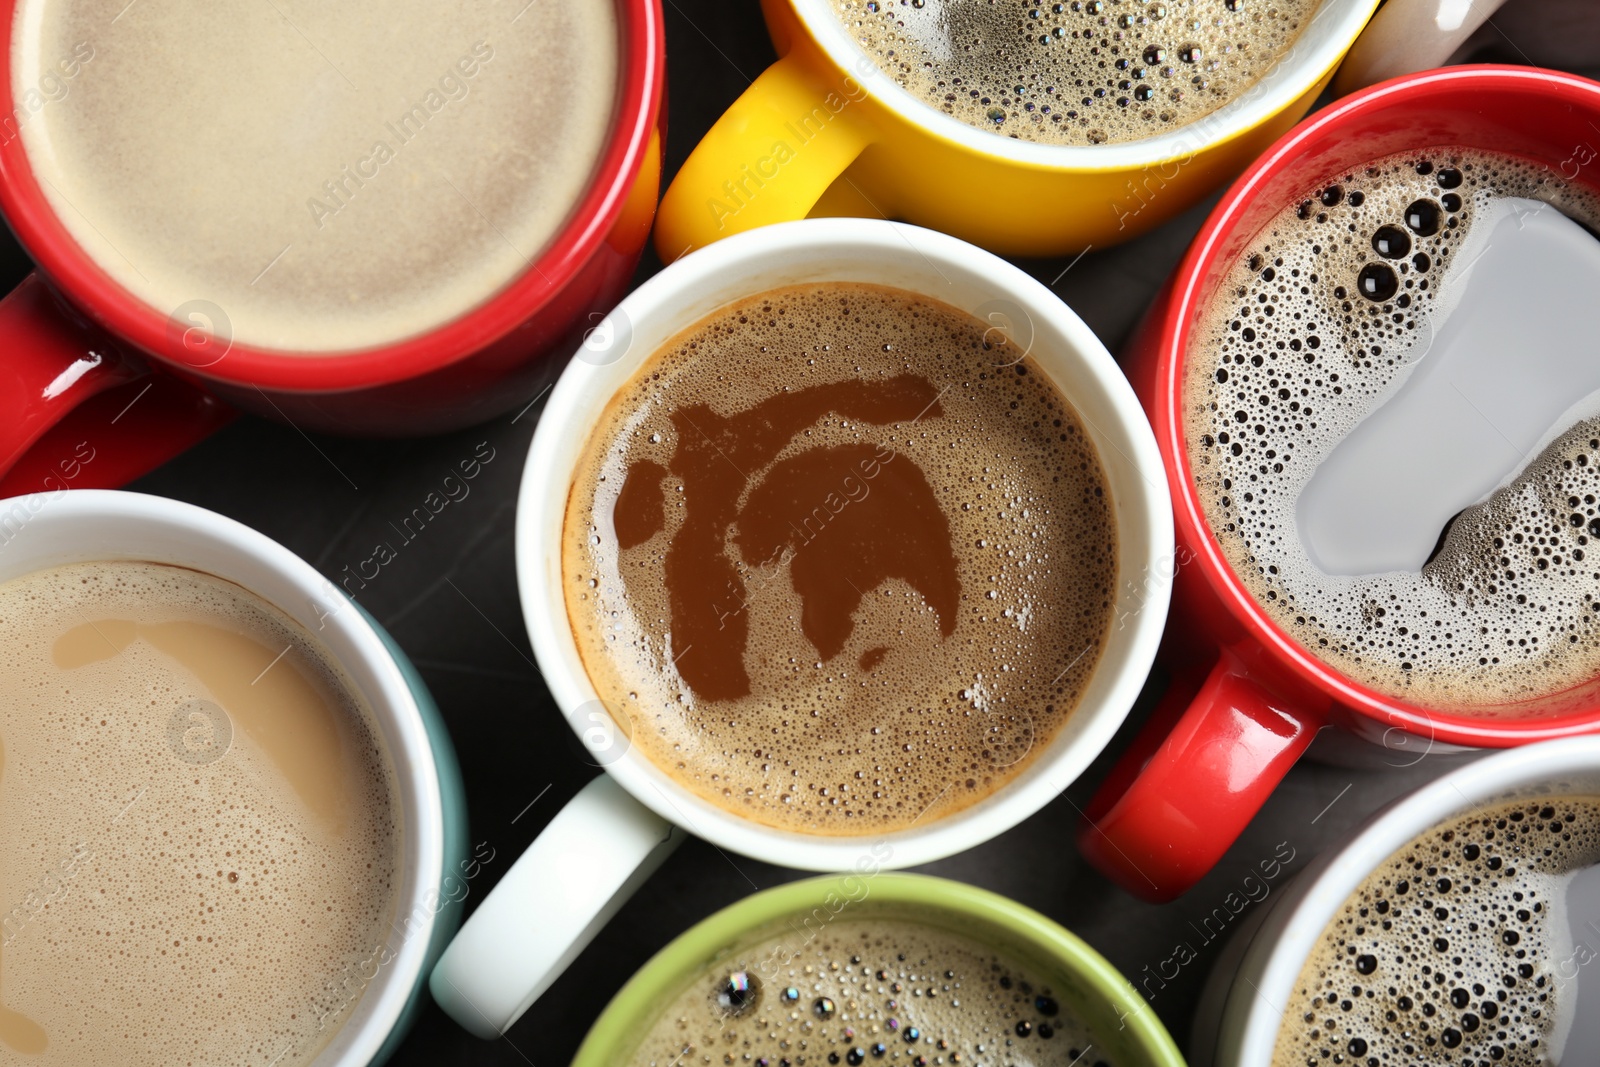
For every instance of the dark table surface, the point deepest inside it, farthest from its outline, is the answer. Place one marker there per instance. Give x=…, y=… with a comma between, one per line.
x=450, y=600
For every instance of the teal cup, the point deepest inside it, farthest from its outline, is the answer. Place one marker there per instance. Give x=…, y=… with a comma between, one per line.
x=373, y=1002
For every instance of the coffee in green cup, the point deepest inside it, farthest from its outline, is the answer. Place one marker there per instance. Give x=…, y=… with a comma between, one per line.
x=894, y=969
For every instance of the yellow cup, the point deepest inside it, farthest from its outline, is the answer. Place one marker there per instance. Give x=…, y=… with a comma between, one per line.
x=824, y=132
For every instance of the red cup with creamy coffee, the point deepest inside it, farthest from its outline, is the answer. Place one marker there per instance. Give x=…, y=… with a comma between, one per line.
x=358, y=225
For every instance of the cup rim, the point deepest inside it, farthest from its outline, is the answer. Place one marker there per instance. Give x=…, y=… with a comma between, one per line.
x=74, y=273
x=1387, y=711
x=543, y=600
x=1322, y=888
x=358, y=1040
x=1234, y=119
x=692, y=949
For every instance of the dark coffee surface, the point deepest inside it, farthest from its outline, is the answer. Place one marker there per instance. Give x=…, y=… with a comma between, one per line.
x=448, y=596
x=1311, y=334
x=1459, y=948
x=1082, y=72
x=888, y=989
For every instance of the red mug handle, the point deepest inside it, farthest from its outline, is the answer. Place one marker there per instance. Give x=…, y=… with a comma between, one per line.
x=76, y=412
x=1202, y=766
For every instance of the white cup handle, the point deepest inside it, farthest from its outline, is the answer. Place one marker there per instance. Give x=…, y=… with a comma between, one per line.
x=547, y=908
x=1410, y=35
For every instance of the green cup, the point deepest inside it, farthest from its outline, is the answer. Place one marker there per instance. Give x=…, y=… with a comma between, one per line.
x=1088, y=986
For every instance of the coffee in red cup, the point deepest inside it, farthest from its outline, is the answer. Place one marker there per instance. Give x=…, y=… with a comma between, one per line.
x=357, y=224
x=1370, y=383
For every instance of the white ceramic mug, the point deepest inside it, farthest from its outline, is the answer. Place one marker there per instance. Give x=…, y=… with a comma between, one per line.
x=50, y=529
x=1237, y=1026
x=603, y=845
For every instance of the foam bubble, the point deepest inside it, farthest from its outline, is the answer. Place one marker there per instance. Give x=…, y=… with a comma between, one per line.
x=904, y=723
x=1306, y=335
x=1446, y=954
x=861, y=991
x=1077, y=72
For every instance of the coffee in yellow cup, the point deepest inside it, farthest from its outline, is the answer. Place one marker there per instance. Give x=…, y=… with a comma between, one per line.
x=1030, y=129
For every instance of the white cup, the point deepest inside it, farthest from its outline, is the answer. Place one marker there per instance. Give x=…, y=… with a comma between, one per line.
x=47, y=530
x=1237, y=1026
x=603, y=845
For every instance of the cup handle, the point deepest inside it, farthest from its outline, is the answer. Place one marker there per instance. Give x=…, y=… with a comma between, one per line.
x=578, y=872
x=78, y=413
x=1409, y=35
x=768, y=159
x=1200, y=769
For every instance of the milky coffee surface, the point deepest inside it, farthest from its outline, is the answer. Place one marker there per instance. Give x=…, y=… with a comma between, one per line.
x=199, y=833
x=330, y=175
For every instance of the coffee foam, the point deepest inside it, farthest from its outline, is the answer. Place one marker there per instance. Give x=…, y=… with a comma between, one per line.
x=1080, y=72
x=860, y=991
x=169, y=903
x=328, y=179
x=904, y=724
x=1290, y=358
x=1446, y=954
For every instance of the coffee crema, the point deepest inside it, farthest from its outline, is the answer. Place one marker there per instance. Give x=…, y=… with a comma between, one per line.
x=1076, y=73
x=889, y=990
x=325, y=178
x=841, y=557
x=1310, y=334
x=1451, y=952
x=200, y=837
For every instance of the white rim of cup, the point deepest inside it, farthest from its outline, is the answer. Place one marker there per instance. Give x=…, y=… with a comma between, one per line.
x=83, y=525
x=845, y=250
x=1317, y=51
x=1531, y=770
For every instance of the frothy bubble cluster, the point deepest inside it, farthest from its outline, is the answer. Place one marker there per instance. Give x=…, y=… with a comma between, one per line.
x=165, y=904
x=1305, y=335
x=867, y=992
x=1447, y=954
x=1077, y=72
x=904, y=723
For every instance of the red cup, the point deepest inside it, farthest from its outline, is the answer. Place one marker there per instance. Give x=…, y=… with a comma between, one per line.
x=91, y=370
x=1247, y=699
